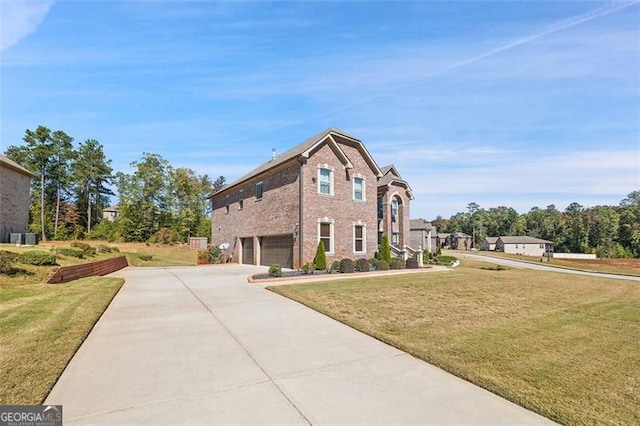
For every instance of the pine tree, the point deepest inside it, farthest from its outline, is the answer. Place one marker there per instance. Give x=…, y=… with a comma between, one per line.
x=320, y=261
x=385, y=249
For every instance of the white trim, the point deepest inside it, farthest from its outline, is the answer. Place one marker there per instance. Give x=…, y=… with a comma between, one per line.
x=329, y=250
x=364, y=237
x=364, y=186
x=331, y=180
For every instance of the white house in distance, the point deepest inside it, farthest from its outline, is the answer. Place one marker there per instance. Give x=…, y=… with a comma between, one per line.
x=523, y=245
x=489, y=243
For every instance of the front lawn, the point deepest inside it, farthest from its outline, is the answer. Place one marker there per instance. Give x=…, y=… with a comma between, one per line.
x=567, y=347
x=42, y=326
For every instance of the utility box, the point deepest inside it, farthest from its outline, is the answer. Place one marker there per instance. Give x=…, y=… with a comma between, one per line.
x=16, y=238
x=31, y=239
x=198, y=243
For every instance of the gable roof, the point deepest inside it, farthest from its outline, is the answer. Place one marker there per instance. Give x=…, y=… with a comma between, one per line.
x=10, y=164
x=419, y=224
x=522, y=239
x=391, y=175
x=305, y=149
x=491, y=240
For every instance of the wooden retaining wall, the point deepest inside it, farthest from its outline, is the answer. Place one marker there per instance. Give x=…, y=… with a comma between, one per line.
x=98, y=268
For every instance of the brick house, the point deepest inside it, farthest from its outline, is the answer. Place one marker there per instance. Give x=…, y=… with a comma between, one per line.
x=326, y=188
x=15, y=184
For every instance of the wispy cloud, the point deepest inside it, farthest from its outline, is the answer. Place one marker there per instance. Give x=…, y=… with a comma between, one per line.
x=19, y=19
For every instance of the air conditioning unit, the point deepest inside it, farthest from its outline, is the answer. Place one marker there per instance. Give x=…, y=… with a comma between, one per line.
x=31, y=239
x=16, y=238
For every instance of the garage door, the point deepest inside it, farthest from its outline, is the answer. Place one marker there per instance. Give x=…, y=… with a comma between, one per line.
x=277, y=249
x=247, y=251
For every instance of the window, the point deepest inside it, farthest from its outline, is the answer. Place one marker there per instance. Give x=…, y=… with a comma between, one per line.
x=541, y=246
x=380, y=208
x=259, y=190
x=325, y=178
x=325, y=234
x=359, y=239
x=358, y=189
x=241, y=199
x=394, y=210
x=395, y=239
x=226, y=204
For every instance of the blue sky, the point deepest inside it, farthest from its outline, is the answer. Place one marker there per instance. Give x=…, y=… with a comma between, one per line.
x=510, y=103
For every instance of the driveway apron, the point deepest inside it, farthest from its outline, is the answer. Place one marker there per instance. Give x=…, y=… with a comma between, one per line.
x=199, y=345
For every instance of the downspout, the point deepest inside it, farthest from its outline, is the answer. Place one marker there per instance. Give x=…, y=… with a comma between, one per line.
x=300, y=213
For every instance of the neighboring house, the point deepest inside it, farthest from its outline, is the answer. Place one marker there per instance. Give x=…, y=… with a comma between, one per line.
x=526, y=246
x=455, y=241
x=423, y=235
x=110, y=213
x=15, y=184
x=394, y=195
x=461, y=241
x=489, y=243
x=325, y=189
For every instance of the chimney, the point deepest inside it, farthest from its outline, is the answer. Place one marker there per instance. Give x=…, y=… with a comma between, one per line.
x=273, y=154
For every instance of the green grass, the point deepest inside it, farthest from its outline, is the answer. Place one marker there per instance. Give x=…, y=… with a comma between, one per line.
x=567, y=347
x=42, y=326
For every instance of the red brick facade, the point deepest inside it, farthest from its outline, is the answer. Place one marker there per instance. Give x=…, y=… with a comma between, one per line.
x=293, y=203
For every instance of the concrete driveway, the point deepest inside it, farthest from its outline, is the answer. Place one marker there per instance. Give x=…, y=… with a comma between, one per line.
x=199, y=345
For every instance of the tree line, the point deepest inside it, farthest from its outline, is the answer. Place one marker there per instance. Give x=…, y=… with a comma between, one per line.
x=72, y=187
x=608, y=231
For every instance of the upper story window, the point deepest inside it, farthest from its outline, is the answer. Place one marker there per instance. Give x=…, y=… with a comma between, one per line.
x=394, y=210
x=358, y=189
x=380, y=208
x=226, y=204
x=325, y=179
x=241, y=199
x=259, y=190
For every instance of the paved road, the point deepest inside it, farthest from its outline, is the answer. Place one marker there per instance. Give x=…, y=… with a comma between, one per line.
x=543, y=267
x=202, y=346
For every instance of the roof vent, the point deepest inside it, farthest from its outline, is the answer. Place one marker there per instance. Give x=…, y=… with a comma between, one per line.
x=273, y=154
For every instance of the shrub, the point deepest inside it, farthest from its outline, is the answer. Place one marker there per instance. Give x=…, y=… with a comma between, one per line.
x=385, y=250
x=37, y=257
x=164, y=236
x=382, y=265
x=320, y=261
x=7, y=259
x=438, y=251
x=203, y=257
x=275, y=270
x=308, y=268
x=396, y=263
x=362, y=265
x=335, y=266
x=145, y=257
x=346, y=266
x=374, y=262
x=104, y=249
x=86, y=248
x=71, y=252
x=104, y=230
x=215, y=254
x=412, y=263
